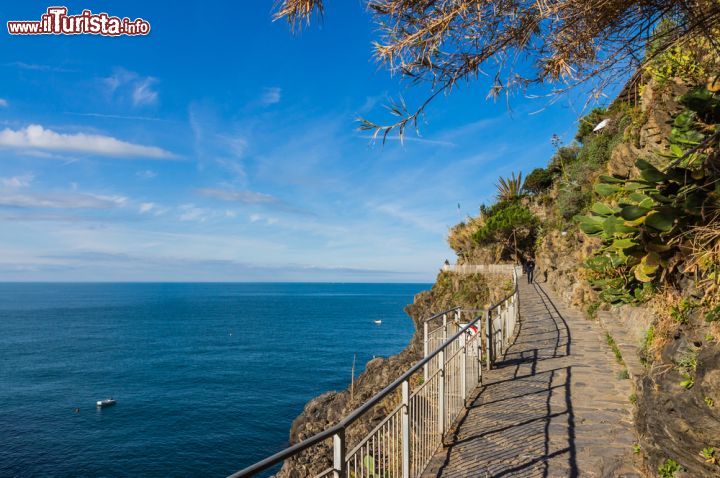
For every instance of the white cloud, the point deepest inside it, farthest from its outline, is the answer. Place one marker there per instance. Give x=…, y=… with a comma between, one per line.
x=245, y=197
x=271, y=95
x=117, y=200
x=268, y=220
x=408, y=139
x=61, y=201
x=189, y=212
x=36, y=137
x=125, y=83
x=216, y=144
x=3, y=102
x=420, y=220
x=143, y=94
x=40, y=67
x=237, y=146
x=146, y=174
x=232, y=166
x=120, y=77
x=152, y=208
x=123, y=117
x=15, y=182
x=146, y=207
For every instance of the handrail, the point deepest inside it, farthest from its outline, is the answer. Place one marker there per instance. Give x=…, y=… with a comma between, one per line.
x=338, y=429
x=348, y=420
x=504, y=299
x=440, y=314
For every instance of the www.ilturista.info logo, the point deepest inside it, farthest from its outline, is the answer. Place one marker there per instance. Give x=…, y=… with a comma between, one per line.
x=57, y=22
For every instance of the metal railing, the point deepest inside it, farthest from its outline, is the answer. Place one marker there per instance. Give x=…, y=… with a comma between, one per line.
x=424, y=402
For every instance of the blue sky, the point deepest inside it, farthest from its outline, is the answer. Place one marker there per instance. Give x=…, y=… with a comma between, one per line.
x=222, y=147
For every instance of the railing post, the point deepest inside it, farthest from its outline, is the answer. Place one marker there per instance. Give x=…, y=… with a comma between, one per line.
x=444, y=328
x=405, y=425
x=441, y=394
x=463, y=367
x=478, y=345
x=503, y=317
x=488, y=339
x=339, y=465
x=425, y=351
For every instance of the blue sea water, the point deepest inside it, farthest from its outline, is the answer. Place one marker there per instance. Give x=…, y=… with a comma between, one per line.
x=207, y=377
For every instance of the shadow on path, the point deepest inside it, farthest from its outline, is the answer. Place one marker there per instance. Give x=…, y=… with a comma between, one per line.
x=521, y=422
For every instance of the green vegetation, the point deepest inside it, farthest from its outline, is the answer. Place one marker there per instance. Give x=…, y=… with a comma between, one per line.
x=369, y=466
x=713, y=315
x=642, y=221
x=645, y=357
x=468, y=290
x=623, y=374
x=681, y=60
x=688, y=361
x=538, y=181
x=504, y=222
x=579, y=164
x=681, y=312
x=510, y=188
x=709, y=402
x=637, y=449
x=633, y=398
x=687, y=365
x=613, y=346
x=709, y=455
x=588, y=123
x=563, y=156
x=573, y=198
x=669, y=468
x=591, y=309
x=508, y=224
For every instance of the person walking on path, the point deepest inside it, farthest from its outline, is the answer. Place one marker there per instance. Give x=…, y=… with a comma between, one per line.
x=530, y=268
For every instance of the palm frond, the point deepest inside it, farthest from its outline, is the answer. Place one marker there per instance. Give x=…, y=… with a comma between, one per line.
x=509, y=188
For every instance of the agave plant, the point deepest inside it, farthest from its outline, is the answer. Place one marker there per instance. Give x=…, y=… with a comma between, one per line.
x=509, y=188
x=644, y=221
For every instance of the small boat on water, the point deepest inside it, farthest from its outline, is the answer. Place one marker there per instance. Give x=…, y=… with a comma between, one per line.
x=108, y=402
x=377, y=322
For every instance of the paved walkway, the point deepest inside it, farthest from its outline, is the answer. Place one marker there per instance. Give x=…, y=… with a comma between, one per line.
x=554, y=407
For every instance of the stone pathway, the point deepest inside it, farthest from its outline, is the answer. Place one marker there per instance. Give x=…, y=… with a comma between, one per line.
x=554, y=407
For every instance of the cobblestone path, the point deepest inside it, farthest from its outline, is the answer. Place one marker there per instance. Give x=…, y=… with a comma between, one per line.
x=555, y=406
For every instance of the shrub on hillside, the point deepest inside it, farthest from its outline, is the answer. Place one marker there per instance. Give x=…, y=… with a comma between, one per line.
x=464, y=290
x=562, y=158
x=539, y=180
x=505, y=222
x=596, y=149
x=573, y=199
x=588, y=123
x=489, y=211
x=511, y=228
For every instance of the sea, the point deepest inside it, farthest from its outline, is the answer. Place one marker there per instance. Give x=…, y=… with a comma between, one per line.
x=208, y=377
